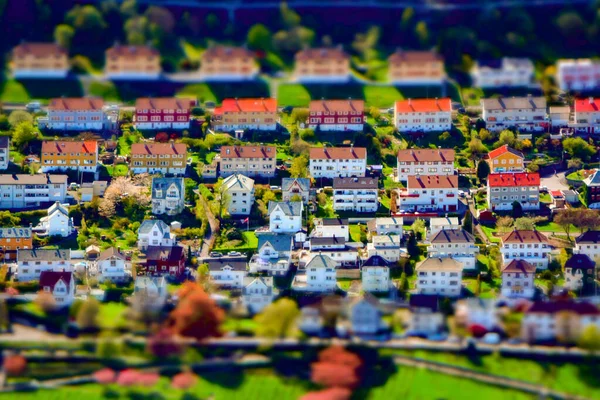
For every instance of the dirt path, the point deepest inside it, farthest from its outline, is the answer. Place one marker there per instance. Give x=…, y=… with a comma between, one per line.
x=210, y=236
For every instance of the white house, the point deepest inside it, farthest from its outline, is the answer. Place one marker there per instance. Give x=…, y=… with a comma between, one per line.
x=31, y=262
x=56, y=223
x=578, y=74
x=560, y=116
x=285, y=216
x=441, y=276
x=587, y=115
x=423, y=115
x=579, y=273
x=333, y=247
x=386, y=226
x=425, y=315
x=355, y=194
x=517, y=279
x=438, y=223
x=424, y=162
x=310, y=321
x=154, y=232
x=386, y=246
x=331, y=227
x=525, y=113
x=4, y=152
x=151, y=290
x=588, y=243
x=168, y=196
x=375, y=275
x=506, y=188
x=274, y=254
x=531, y=246
x=455, y=243
x=365, y=317
x=240, y=193
x=477, y=311
x=292, y=187
x=319, y=275
x=506, y=72
x=257, y=293
x=335, y=162
x=228, y=271
x=29, y=191
x=112, y=265
x=437, y=193
x=60, y=284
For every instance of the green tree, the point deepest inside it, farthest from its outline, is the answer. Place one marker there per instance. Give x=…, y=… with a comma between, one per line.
x=418, y=227
x=467, y=224
x=278, y=320
x=478, y=285
x=445, y=136
x=299, y=115
x=375, y=113
x=86, y=18
x=422, y=33
x=290, y=18
x=566, y=219
x=590, y=339
x=524, y=224
x=87, y=316
x=483, y=170
x=504, y=224
x=259, y=37
x=574, y=163
x=506, y=137
x=404, y=285
x=299, y=168
x=475, y=146
x=412, y=247
x=63, y=34
x=18, y=116
x=212, y=22
x=578, y=148
x=23, y=134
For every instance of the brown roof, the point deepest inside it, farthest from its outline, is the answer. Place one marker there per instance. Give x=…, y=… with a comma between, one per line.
x=39, y=49
x=248, y=152
x=162, y=103
x=111, y=252
x=426, y=155
x=322, y=53
x=227, y=52
x=401, y=56
x=355, y=183
x=76, y=103
x=88, y=146
x=158, y=148
x=524, y=237
x=337, y=106
x=131, y=51
x=519, y=266
x=432, y=181
x=338, y=153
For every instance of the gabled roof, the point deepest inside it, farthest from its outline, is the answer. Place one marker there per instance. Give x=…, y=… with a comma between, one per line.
x=43, y=255
x=452, y=236
x=58, y=208
x=162, y=103
x=524, y=236
x=287, y=183
x=39, y=49
x=579, y=261
x=337, y=106
x=248, y=152
x=267, y=281
x=119, y=50
x=111, y=252
x=514, y=103
x=323, y=53
x=355, y=183
x=247, y=105
x=443, y=221
x=587, y=105
x=238, y=181
x=217, y=264
x=373, y=224
x=60, y=147
x=423, y=105
x=279, y=242
x=332, y=221
x=514, y=179
x=160, y=186
x=432, y=182
x=553, y=307
x=228, y=52
x=148, y=224
x=338, y=153
x=327, y=241
x=518, y=266
x=289, y=208
x=385, y=239
x=76, y=104
x=320, y=261
x=591, y=237
x=426, y=155
x=27, y=179
x=503, y=150
x=439, y=264
x=171, y=254
x=593, y=179
x=158, y=148
x=375, y=261
x=15, y=232
x=416, y=57
x=51, y=278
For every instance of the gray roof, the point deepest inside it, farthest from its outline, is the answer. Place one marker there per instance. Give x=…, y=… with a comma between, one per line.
x=376, y=261
x=289, y=208
x=236, y=263
x=238, y=181
x=57, y=207
x=148, y=224
x=26, y=179
x=438, y=264
x=4, y=142
x=452, y=236
x=304, y=183
x=321, y=261
x=334, y=221
x=43, y=255
x=111, y=252
x=143, y=282
x=515, y=103
x=593, y=180
x=265, y=280
x=355, y=183
x=324, y=241
x=279, y=242
x=163, y=184
x=16, y=232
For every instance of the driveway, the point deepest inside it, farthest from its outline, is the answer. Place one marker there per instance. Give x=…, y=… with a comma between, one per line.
x=554, y=182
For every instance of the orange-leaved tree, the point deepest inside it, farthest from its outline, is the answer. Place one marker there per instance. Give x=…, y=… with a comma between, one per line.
x=337, y=367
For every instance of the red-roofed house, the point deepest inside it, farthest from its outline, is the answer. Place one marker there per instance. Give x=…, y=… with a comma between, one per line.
x=76, y=114
x=427, y=115
x=337, y=162
x=505, y=159
x=429, y=193
x=163, y=158
x=337, y=115
x=506, y=188
x=248, y=160
x=517, y=279
x=132, y=62
x=39, y=60
x=587, y=114
x=424, y=162
x=531, y=246
x=162, y=113
x=237, y=114
x=79, y=156
x=61, y=285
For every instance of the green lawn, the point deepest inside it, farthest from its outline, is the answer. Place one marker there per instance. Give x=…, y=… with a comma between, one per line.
x=191, y=52
x=326, y=211
x=576, y=176
x=488, y=290
x=14, y=92
x=554, y=227
x=355, y=232
x=111, y=314
x=250, y=243
x=292, y=94
x=472, y=96
x=545, y=198
x=239, y=325
x=117, y=170
x=381, y=96
x=104, y=89
x=200, y=90
x=489, y=232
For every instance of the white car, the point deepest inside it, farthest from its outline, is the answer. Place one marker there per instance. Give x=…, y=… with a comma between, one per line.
x=491, y=338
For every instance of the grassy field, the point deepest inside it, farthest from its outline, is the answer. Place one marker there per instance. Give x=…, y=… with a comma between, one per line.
x=381, y=96
x=545, y=198
x=292, y=94
x=117, y=170
x=576, y=176
x=489, y=232
x=111, y=314
x=106, y=89
x=554, y=227
x=14, y=92
x=250, y=243
x=200, y=90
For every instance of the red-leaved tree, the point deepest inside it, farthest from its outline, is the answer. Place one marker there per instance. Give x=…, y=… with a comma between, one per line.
x=334, y=393
x=11, y=291
x=163, y=344
x=148, y=379
x=161, y=137
x=105, y=376
x=14, y=365
x=337, y=367
x=196, y=315
x=184, y=380
x=128, y=377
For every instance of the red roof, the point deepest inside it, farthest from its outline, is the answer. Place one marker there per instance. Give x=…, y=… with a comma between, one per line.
x=338, y=153
x=432, y=182
x=76, y=103
x=514, y=179
x=51, y=278
x=87, y=146
x=248, y=152
x=247, y=105
x=423, y=105
x=504, y=149
x=556, y=193
x=337, y=106
x=162, y=103
x=587, y=105
x=158, y=148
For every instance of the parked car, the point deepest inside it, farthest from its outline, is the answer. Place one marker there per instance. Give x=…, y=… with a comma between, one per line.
x=215, y=254
x=33, y=106
x=491, y=338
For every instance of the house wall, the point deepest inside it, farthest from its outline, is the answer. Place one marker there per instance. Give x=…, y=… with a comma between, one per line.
x=423, y=121
x=335, y=168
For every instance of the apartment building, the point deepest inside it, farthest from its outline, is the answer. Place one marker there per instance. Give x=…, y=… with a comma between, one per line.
x=13, y=239
x=337, y=162
x=79, y=156
x=227, y=271
x=580, y=274
x=578, y=74
x=31, y=262
x=524, y=113
x=423, y=115
x=28, y=191
x=336, y=115
x=375, y=274
x=112, y=265
x=76, y=114
x=454, y=243
x=224, y=63
x=588, y=243
x=424, y=162
x=386, y=226
x=4, y=152
x=39, y=60
x=240, y=193
x=506, y=72
x=587, y=115
x=130, y=62
x=505, y=159
x=503, y=189
x=273, y=255
x=517, y=279
x=559, y=116
x=435, y=193
x=416, y=68
x=355, y=194
x=531, y=246
x=322, y=65
x=253, y=161
x=240, y=114
x=295, y=188
x=162, y=113
x=386, y=246
x=168, y=196
x=441, y=276
x=158, y=158
x=333, y=247
x=437, y=224
x=592, y=190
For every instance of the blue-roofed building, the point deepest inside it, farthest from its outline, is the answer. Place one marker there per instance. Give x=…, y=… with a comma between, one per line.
x=285, y=216
x=274, y=254
x=154, y=232
x=168, y=195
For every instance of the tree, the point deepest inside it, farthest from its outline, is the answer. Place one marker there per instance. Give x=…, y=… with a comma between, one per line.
x=289, y=17
x=184, y=380
x=495, y=261
x=445, y=136
x=483, y=170
x=278, y=319
x=87, y=316
x=422, y=33
x=566, y=218
x=375, y=113
x=590, y=339
x=18, y=116
x=475, y=146
x=524, y=224
x=574, y=163
x=63, y=34
x=517, y=209
x=336, y=367
x=484, y=134
x=404, y=285
x=23, y=134
x=578, y=148
x=137, y=199
x=105, y=376
x=14, y=365
x=418, y=227
x=478, y=285
x=412, y=247
x=259, y=37
x=300, y=115
x=299, y=168
x=506, y=137
x=162, y=344
x=468, y=222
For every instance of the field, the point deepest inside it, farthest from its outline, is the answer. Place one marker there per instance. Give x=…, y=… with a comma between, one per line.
x=111, y=314
x=250, y=243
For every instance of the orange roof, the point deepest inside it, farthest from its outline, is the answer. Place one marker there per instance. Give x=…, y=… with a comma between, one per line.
x=524, y=237
x=338, y=153
x=432, y=182
x=88, y=146
x=76, y=103
x=131, y=51
x=587, y=105
x=514, y=179
x=248, y=152
x=247, y=105
x=337, y=106
x=423, y=105
x=39, y=49
x=158, y=148
x=162, y=103
x=502, y=150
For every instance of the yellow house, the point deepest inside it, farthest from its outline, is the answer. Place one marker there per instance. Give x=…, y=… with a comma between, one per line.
x=39, y=60
x=132, y=62
x=228, y=63
x=416, y=68
x=322, y=65
x=505, y=159
x=80, y=156
x=163, y=158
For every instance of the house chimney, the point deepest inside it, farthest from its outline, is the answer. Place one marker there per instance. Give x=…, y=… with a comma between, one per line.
x=591, y=100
